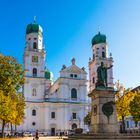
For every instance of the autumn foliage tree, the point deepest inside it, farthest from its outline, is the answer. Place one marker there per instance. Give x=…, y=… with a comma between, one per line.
x=123, y=98
x=11, y=79
x=135, y=106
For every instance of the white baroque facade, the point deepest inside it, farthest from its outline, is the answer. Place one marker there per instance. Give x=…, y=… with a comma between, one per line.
x=51, y=107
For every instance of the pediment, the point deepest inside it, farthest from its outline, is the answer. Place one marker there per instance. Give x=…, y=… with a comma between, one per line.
x=73, y=69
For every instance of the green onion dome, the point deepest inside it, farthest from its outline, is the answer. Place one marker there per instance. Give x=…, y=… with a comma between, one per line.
x=34, y=28
x=48, y=75
x=99, y=38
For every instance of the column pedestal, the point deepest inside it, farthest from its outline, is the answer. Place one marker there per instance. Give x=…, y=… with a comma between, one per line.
x=104, y=117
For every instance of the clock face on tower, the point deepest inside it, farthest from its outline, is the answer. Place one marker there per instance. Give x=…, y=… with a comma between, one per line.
x=34, y=58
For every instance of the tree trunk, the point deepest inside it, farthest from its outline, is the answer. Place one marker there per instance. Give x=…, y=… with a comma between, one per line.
x=123, y=124
x=3, y=125
x=11, y=130
x=15, y=128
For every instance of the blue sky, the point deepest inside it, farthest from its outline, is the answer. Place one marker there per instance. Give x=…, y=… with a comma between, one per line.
x=69, y=26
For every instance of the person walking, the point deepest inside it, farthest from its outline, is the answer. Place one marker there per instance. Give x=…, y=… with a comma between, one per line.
x=60, y=135
x=36, y=135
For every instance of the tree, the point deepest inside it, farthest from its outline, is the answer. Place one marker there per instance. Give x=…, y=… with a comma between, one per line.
x=11, y=78
x=11, y=74
x=123, y=97
x=135, y=107
x=7, y=110
x=19, y=109
x=87, y=118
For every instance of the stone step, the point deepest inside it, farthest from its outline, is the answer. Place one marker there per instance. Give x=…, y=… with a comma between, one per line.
x=104, y=137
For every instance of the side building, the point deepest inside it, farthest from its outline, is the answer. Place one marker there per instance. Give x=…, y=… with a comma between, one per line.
x=51, y=107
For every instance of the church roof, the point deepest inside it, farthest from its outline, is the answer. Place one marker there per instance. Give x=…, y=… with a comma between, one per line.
x=98, y=38
x=34, y=28
x=136, y=88
x=48, y=75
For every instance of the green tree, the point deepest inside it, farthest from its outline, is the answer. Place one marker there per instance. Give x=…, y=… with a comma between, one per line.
x=135, y=106
x=11, y=78
x=87, y=118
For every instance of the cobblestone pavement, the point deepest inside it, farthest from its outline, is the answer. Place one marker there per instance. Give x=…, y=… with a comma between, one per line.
x=31, y=138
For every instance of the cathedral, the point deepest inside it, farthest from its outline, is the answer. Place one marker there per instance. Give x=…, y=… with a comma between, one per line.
x=56, y=106
x=61, y=105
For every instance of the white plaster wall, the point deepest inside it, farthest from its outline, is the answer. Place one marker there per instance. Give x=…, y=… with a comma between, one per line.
x=36, y=83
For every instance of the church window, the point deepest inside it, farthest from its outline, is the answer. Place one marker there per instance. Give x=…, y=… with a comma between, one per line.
x=71, y=75
x=33, y=112
x=93, y=80
x=97, y=48
x=103, y=48
x=74, y=94
x=34, y=58
x=127, y=124
x=52, y=115
x=34, y=92
x=29, y=39
x=75, y=75
x=34, y=45
x=74, y=126
x=34, y=72
x=33, y=123
x=34, y=38
x=103, y=54
x=74, y=115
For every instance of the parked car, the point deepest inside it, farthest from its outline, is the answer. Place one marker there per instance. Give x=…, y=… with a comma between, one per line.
x=71, y=132
x=27, y=134
x=42, y=134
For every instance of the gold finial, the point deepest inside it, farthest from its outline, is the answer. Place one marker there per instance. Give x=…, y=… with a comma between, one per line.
x=34, y=19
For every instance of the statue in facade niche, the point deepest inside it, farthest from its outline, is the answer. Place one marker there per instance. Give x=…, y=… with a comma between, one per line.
x=102, y=75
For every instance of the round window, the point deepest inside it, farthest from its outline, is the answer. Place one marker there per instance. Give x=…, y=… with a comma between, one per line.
x=33, y=123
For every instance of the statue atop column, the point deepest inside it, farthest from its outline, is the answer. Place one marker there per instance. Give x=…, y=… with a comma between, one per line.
x=102, y=75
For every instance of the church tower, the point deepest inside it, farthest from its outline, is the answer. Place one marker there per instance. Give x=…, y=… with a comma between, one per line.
x=34, y=59
x=36, y=77
x=99, y=54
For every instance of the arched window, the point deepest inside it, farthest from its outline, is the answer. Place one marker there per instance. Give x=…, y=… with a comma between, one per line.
x=74, y=94
x=93, y=80
x=34, y=92
x=103, y=54
x=34, y=45
x=33, y=112
x=34, y=72
x=74, y=126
